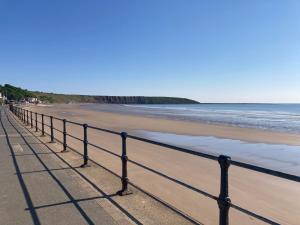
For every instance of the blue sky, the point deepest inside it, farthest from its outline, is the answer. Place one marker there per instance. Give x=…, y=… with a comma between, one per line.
x=211, y=51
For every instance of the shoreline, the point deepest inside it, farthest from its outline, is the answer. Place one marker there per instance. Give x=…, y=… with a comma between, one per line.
x=179, y=127
x=239, y=117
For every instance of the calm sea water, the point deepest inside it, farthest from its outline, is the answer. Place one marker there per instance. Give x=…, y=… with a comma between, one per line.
x=279, y=157
x=276, y=117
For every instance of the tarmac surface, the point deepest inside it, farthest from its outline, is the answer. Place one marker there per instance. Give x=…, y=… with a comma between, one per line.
x=36, y=188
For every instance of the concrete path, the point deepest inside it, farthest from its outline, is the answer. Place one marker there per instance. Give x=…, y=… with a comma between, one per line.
x=36, y=188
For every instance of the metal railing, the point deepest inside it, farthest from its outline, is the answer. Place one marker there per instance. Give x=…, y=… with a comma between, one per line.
x=223, y=200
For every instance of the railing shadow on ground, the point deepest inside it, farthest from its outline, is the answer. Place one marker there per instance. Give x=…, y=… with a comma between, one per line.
x=104, y=195
x=42, y=171
x=33, y=213
x=222, y=200
x=72, y=200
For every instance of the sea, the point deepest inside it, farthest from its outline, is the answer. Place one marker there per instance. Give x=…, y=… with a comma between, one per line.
x=271, y=117
x=274, y=117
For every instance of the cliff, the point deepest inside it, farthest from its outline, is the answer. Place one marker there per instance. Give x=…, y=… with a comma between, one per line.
x=16, y=93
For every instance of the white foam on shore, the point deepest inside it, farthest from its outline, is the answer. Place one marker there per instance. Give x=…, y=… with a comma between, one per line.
x=273, y=117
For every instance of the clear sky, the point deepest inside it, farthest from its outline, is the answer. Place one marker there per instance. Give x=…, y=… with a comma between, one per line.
x=211, y=51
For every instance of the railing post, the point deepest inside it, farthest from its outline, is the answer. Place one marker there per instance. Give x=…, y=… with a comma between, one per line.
x=85, y=146
x=27, y=118
x=224, y=200
x=23, y=115
x=64, y=136
x=43, y=126
x=51, y=129
x=124, y=158
x=36, y=122
x=31, y=119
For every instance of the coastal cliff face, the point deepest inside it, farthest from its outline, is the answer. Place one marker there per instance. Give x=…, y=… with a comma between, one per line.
x=59, y=98
x=16, y=93
x=142, y=100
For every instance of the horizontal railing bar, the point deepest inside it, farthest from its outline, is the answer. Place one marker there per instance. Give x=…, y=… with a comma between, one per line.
x=45, y=124
x=74, y=137
x=105, y=150
x=212, y=157
x=104, y=130
x=174, y=180
x=266, y=171
x=236, y=163
x=41, y=114
x=252, y=214
x=56, y=118
x=57, y=130
x=75, y=123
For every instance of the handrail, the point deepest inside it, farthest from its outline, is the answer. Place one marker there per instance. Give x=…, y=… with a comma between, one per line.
x=224, y=161
x=204, y=155
x=104, y=130
x=266, y=171
x=74, y=137
x=57, y=118
x=57, y=130
x=75, y=123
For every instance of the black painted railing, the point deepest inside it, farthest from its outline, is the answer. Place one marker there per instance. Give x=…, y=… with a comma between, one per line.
x=223, y=199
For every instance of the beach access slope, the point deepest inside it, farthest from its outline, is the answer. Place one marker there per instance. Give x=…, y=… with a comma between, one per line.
x=272, y=197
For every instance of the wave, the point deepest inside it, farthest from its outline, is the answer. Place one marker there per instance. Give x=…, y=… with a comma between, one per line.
x=281, y=117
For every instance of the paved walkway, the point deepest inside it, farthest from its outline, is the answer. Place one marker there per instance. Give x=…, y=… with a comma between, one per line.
x=36, y=188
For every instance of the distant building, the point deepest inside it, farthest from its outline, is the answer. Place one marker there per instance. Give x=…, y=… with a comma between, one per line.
x=2, y=97
x=32, y=100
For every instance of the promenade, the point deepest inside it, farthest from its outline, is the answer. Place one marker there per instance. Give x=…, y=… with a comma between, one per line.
x=40, y=186
x=36, y=188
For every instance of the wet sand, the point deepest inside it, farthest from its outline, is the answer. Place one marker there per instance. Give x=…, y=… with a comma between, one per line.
x=269, y=196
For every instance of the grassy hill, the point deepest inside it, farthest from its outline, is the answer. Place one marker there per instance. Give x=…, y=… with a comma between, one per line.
x=16, y=93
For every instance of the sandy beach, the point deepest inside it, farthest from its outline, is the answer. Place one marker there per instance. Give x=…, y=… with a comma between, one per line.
x=274, y=198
